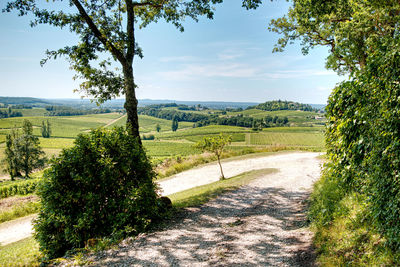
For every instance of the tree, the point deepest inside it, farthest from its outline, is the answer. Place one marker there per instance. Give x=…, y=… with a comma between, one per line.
x=45, y=129
x=23, y=153
x=158, y=128
x=174, y=124
x=101, y=187
x=109, y=27
x=348, y=28
x=11, y=159
x=216, y=146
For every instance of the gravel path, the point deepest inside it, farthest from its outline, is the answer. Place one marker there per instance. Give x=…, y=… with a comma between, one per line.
x=297, y=169
x=16, y=230
x=261, y=224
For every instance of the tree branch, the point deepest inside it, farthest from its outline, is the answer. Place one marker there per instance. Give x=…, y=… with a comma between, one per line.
x=103, y=39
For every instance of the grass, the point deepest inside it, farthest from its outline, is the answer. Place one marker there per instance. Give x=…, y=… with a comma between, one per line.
x=19, y=210
x=163, y=149
x=349, y=239
x=148, y=124
x=315, y=139
x=202, y=194
x=22, y=253
x=201, y=131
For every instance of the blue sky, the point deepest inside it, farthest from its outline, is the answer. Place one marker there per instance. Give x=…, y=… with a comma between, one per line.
x=226, y=59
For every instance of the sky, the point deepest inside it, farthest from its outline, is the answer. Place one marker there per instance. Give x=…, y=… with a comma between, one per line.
x=228, y=58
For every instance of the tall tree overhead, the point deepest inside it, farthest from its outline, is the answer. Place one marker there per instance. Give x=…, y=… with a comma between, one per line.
x=347, y=27
x=108, y=27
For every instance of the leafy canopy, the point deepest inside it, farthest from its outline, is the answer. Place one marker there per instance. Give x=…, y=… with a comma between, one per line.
x=348, y=28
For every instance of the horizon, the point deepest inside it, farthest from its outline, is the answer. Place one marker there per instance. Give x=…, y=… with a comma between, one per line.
x=173, y=100
x=226, y=59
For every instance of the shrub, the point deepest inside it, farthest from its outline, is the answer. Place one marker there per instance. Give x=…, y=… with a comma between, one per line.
x=100, y=187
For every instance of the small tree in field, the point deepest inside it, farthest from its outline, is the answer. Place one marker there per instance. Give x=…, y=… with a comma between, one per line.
x=23, y=153
x=11, y=160
x=215, y=145
x=46, y=130
x=175, y=124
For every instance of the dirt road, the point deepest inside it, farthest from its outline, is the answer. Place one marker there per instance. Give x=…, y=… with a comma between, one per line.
x=261, y=224
x=249, y=207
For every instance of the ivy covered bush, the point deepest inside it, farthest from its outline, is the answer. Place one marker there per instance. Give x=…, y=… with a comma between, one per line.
x=102, y=186
x=363, y=145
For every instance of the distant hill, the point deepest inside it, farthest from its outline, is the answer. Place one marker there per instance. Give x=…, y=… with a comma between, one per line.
x=119, y=103
x=282, y=105
x=6, y=100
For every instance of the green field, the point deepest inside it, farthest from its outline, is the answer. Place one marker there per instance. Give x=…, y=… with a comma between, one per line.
x=168, y=143
x=148, y=124
x=313, y=139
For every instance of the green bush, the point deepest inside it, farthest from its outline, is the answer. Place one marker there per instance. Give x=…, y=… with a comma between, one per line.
x=363, y=145
x=101, y=187
x=19, y=188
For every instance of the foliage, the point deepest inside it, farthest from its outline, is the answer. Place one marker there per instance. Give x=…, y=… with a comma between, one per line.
x=68, y=111
x=282, y=105
x=148, y=137
x=174, y=125
x=46, y=129
x=216, y=146
x=347, y=28
x=100, y=187
x=23, y=153
x=158, y=111
x=9, y=114
x=363, y=145
x=110, y=28
x=23, y=187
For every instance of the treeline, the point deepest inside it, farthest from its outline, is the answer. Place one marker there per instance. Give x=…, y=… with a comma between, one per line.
x=248, y=122
x=68, y=111
x=169, y=114
x=283, y=105
x=9, y=113
x=203, y=120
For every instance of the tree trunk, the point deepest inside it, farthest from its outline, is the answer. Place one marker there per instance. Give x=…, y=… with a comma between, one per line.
x=131, y=103
x=220, y=167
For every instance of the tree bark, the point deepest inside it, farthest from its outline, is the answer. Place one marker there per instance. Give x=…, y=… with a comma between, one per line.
x=220, y=167
x=131, y=103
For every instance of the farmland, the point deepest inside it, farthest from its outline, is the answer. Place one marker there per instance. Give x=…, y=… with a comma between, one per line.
x=167, y=143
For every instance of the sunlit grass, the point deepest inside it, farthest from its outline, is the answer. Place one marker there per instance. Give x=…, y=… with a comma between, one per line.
x=202, y=194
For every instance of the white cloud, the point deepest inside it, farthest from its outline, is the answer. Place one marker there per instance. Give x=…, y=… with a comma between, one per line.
x=177, y=59
x=287, y=74
x=193, y=71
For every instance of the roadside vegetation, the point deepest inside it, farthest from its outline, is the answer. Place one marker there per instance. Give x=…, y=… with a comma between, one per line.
x=26, y=252
x=355, y=207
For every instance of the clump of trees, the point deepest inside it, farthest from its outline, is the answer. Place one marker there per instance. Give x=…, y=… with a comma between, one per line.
x=9, y=113
x=102, y=186
x=23, y=153
x=215, y=145
x=69, y=111
x=283, y=105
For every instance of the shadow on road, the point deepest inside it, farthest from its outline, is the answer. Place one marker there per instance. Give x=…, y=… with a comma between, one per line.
x=246, y=227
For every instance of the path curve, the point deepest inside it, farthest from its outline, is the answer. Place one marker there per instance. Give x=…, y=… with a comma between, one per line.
x=260, y=224
x=22, y=227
